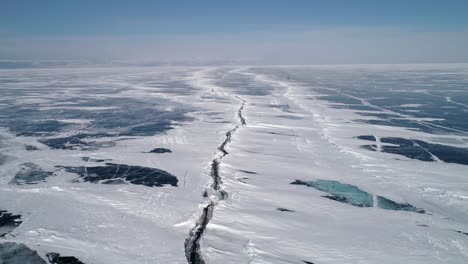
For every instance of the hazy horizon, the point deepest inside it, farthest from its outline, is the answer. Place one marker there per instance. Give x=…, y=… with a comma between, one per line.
x=249, y=32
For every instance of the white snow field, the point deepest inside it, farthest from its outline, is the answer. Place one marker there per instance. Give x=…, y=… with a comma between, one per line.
x=304, y=164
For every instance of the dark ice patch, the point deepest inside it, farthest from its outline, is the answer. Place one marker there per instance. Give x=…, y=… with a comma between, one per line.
x=149, y=129
x=160, y=150
x=370, y=147
x=38, y=128
x=14, y=253
x=283, y=107
x=56, y=258
x=446, y=153
x=421, y=150
x=8, y=222
x=376, y=122
x=30, y=148
x=210, y=113
x=127, y=117
x=284, y=210
x=248, y=172
x=367, y=137
x=379, y=115
x=121, y=173
x=72, y=142
x=406, y=123
x=279, y=134
x=461, y=232
x=243, y=179
x=75, y=142
x=219, y=122
x=30, y=173
x=341, y=192
x=388, y=204
x=89, y=159
x=292, y=117
x=406, y=147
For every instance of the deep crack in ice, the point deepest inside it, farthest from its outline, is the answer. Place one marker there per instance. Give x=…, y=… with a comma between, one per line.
x=192, y=242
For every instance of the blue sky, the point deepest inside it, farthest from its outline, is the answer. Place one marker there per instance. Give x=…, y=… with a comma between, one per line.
x=350, y=31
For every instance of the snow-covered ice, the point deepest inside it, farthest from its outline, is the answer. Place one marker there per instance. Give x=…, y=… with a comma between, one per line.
x=306, y=164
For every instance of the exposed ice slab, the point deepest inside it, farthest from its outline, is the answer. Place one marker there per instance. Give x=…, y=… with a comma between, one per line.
x=30, y=173
x=160, y=150
x=121, y=173
x=341, y=192
x=347, y=193
x=367, y=137
x=418, y=149
x=55, y=258
x=13, y=253
x=385, y=203
x=8, y=222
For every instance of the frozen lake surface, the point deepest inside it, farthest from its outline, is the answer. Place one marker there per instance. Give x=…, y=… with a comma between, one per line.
x=310, y=164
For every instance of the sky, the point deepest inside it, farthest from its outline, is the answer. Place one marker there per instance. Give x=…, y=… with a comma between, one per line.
x=244, y=31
